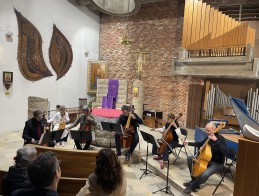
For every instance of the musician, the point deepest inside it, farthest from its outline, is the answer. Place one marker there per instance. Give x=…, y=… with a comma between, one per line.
x=134, y=121
x=218, y=149
x=33, y=128
x=87, y=123
x=174, y=143
x=60, y=117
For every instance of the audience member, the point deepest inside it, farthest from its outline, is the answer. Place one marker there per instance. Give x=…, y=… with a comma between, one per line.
x=108, y=178
x=44, y=173
x=17, y=176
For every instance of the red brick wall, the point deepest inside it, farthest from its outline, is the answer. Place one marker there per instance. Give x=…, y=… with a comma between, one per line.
x=158, y=27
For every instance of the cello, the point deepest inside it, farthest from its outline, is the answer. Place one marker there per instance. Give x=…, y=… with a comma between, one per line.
x=200, y=163
x=128, y=131
x=167, y=136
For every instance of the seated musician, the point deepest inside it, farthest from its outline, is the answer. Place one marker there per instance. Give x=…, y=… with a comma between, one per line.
x=33, y=128
x=58, y=119
x=174, y=143
x=87, y=123
x=134, y=121
x=218, y=149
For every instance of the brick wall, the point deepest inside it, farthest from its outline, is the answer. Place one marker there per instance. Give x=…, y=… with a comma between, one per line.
x=158, y=27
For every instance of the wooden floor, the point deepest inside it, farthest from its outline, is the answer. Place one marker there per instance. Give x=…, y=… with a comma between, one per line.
x=178, y=173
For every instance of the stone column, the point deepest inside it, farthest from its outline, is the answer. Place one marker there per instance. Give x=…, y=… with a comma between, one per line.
x=138, y=97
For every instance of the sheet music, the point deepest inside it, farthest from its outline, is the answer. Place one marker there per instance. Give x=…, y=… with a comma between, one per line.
x=41, y=138
x=155, y=134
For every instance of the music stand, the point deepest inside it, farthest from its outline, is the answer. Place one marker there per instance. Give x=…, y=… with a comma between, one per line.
x=149, y=139
x=58, y=134
x=115, y=127
x=167, y=187
x=45, y=138
x=81, y=135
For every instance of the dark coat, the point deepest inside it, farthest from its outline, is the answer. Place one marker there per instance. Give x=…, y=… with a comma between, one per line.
x=16, y=178
x=30, y=130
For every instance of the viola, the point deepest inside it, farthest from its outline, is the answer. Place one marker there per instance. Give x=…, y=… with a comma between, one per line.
x=200, y=163
x=167, y=136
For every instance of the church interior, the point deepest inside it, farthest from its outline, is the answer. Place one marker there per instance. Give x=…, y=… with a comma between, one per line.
x=195, y=58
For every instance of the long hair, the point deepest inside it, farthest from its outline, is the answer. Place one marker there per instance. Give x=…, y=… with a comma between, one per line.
x=108, y=170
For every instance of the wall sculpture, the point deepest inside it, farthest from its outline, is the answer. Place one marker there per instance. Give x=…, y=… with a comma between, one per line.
x=30, y=57
x=60, y=53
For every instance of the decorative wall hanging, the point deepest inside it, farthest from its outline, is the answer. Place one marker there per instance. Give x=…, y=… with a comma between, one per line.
x=96, y=70
x=30, y=58
x=60, y=53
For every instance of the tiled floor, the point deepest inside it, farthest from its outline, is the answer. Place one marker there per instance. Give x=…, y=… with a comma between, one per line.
x=178, y=173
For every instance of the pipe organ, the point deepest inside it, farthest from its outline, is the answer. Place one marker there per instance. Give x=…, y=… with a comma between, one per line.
x=208, y=32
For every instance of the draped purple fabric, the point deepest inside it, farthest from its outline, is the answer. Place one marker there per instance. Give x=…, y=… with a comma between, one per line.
x=110, y=100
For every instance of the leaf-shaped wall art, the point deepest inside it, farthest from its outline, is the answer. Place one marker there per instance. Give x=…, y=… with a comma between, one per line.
x=60, y=53
x=30, y=57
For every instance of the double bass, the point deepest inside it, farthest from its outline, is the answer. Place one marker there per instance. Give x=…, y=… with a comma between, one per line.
x=200, y=163
x=167, y=136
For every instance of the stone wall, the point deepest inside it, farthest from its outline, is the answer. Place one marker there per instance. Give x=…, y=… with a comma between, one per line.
x=37, y=103
x=102, y=90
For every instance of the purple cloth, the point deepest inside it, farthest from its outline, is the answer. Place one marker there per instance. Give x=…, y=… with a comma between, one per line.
x=113, y=88
x=104, y=102
x=109, y=101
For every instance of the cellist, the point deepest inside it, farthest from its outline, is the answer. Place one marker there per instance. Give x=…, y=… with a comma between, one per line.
x=218, y=152
x=163, y=156
x=135, y=120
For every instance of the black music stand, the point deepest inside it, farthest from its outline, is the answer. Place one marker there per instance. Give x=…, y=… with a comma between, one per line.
x=149, y=139
x=58, y=134
x=166, y=189
x=115, y=127
x=81, y=135
x=45, y=138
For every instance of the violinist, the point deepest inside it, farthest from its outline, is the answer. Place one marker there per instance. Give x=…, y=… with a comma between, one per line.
x=61, y=117
x=134, y=121
x=171, y=120
x=87, y=123
x=218, y=150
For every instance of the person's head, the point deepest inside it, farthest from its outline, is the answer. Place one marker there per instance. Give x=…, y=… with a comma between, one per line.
x=170, y=117
x=57, y=107
x=24, y=156
x=38, y=115
x=210, y=128
x=44, y=171
x=85, y=110
x=125, y=110
x=62, y=109
x=108, y=170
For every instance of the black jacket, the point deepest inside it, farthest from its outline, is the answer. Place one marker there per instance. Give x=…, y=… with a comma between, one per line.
x=16, y=178
x=30, y=130
x=34, y=192
x=219, y=149
x=134, y=122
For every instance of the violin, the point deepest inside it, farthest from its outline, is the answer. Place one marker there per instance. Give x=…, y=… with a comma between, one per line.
x=167, y=136
x=200, y=163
